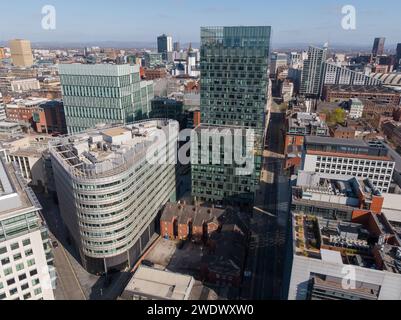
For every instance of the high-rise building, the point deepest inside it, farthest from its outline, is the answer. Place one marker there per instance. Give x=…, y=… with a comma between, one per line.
x=313, y=72
x=234, y=95
x=352, y=157
x=2, y=53
x=21, y=53
x=26, y=271
x=164, y=45
x=111, y=184
x=103, y=93
x=176, y=47
x=378, y=47
x=278, y=60
x=398, y=55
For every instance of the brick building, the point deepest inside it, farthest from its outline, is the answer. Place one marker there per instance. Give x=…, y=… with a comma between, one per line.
x=50, y=118
x=335, y=93
x=183, y=222
x=151, y=74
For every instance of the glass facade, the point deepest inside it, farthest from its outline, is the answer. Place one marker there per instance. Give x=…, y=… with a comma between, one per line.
x=109, y=94
x=234, y=93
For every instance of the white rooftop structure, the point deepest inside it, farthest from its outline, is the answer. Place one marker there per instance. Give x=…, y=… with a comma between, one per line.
x=156, y=284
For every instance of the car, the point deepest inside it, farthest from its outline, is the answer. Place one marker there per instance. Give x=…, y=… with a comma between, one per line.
x=148, y=263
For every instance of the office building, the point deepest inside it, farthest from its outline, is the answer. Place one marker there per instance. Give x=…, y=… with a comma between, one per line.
x=333, y=196
x=176, y=47
x=165, y=108
x=378, y=47
x=23, y=109
x=313, y=72
x=50, y=118
x=234, y=95
x=164, y=45
x=358, y=259
x=21, y=53
x=153, y=60
x=111, y=184
x=26, y=271
x=398, y=54
x=352, y=157
x=103, y=94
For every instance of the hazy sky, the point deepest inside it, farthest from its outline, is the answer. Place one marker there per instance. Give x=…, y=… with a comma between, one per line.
x=293, y=21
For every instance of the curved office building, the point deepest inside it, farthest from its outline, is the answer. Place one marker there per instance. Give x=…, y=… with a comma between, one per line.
x=111, y=184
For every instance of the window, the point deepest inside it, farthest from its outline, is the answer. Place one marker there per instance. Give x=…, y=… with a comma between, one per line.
x=15, y=246
x=38, y=291
x=27, y=296
x=33, y=272
x=10, y=282
x=13, y=291
x=24, y=287
x=26, y=242
x=22, y=277
x=19, y=267
x=17, y=257
x=31, y=262
x=28, y=252
x=35, y=282
x=8, y=271
x=3, y=250
x=5, y=261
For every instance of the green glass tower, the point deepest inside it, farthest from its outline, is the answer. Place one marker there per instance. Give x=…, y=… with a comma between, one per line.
x=234, y=95
x=103, y=93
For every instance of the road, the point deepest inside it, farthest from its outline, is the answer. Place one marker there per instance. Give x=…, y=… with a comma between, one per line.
x=73, y=281
x=266, y=254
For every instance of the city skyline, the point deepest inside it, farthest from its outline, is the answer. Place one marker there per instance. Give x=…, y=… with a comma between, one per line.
x=128, y=24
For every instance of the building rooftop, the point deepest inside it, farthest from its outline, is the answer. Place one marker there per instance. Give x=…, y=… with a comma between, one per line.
x=197, y=214
x=159, y=284
x=356, y=242
x=109, y=149
x=365, y=89
x=15, y=195
x=305, y=119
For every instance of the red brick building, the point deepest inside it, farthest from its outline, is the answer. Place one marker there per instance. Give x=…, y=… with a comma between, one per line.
x=183, y=222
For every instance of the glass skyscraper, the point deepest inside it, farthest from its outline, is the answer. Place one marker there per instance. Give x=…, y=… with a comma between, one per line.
x=234, y=95
x=103, y=93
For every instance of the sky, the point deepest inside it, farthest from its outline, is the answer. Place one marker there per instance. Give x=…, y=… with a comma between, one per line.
x=292, y=21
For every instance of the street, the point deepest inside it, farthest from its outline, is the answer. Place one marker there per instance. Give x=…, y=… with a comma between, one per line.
x=268, y=226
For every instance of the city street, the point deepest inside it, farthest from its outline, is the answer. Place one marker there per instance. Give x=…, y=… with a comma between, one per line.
x=268, y=226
